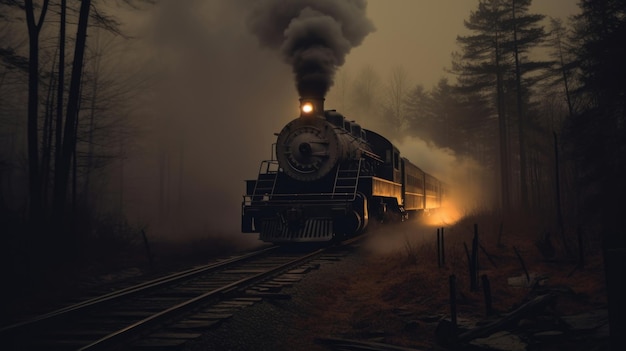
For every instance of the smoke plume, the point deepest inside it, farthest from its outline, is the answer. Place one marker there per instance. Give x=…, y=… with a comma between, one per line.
x=313, y=36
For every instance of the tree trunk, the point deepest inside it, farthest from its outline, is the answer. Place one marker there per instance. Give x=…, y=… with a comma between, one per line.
x=564, y=72
x=46, y=143
x=58, y=142
x=90, y=132
x=34, y=181
x=520, y=118
x=69, y=136
x=502, y=127
x=32, y=135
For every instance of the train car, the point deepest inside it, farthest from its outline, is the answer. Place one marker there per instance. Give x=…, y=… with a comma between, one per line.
x=328, y=177
x=413, y=179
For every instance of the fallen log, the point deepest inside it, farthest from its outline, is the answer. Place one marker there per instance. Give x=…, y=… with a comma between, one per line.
x=509, y=319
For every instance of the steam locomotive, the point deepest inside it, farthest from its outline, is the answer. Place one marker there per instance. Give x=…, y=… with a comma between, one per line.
x=329, y=177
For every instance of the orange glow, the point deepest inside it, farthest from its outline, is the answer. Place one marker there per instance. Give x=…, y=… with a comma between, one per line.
x=444, y=216
x=307, y=107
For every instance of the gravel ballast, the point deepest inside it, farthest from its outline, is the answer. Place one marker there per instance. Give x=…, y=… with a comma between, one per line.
x=274, y=324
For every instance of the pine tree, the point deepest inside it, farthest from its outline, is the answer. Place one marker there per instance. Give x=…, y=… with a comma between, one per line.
x=481, y=67
x=598, y=136
x=494, y=62
x=418, y=107
x=526, y=34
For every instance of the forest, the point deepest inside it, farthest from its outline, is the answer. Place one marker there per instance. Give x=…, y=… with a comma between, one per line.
x=549, y=127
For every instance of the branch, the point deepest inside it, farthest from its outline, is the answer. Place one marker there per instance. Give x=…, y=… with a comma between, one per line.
x=104, y=21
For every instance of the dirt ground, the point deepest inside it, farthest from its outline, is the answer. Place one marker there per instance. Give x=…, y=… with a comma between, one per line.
x=400, y=293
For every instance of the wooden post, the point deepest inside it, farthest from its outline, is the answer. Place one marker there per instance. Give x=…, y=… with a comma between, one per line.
x=446, y=332
x=453, y=302
x=487, y=292
x=581, y=250
x=559, y=212
x=474, y=285
x=443, y=251
x=471, y=267
x=438, y=249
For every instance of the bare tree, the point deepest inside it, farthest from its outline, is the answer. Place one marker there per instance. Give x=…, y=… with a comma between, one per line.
x=34, y=29
x=365, y=96
x=564, y=64
x=13, y=75
x=62, y=169
x=341, y=91
x=419, y=112
x=394, y=98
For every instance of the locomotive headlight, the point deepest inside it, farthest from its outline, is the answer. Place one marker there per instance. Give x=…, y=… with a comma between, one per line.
x=307, y=107
x=311, y=107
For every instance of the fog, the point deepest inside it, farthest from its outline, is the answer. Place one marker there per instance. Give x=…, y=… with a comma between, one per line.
x=421, y=35
x=470, y=190
x=225, y=85
x=210, y=121
x=221, y=92
x=471, y=186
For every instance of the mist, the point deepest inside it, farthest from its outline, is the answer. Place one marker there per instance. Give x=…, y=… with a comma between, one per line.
x=467, y=181
x=208, y=121
x=468, y=193
x=224, y=85
x=222, y=79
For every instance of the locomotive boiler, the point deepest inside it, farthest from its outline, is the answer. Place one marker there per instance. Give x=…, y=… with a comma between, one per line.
x=328, y=177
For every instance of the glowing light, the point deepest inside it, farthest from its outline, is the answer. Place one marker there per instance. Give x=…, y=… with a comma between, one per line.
x=447, y=215
x=307, y=107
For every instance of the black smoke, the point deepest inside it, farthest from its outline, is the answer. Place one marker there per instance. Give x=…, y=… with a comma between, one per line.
x=314, y=36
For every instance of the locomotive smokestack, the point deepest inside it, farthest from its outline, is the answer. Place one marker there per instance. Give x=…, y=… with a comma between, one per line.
x=311, y=106
x=314, y=36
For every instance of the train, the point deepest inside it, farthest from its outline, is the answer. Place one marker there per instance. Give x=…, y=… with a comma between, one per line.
x=328, y=178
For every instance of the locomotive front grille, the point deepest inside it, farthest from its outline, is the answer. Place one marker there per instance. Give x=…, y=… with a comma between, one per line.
x=312, y=230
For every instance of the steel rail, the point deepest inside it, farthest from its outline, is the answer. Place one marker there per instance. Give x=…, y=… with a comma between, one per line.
x=130, y=291
x=117, y=338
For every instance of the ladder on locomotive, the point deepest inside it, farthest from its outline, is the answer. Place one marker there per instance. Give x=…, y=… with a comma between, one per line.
x=266, y=181
x=347, y=180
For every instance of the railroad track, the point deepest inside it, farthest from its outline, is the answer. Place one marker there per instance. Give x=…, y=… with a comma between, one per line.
x=168, y=311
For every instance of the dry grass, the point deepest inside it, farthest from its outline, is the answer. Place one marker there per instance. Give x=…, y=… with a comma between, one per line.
x=403, y=282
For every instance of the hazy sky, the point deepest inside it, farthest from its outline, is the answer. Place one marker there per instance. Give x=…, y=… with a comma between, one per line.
x=420, y=35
